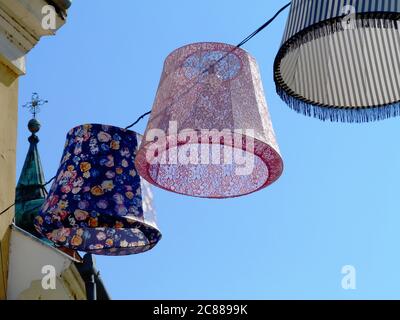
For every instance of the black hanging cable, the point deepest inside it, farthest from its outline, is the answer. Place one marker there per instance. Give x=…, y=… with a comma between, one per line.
x=264, y=25
x=240, y=44
x=48, y=182
x=5, y=210
x=41, y=186
x=137, y=121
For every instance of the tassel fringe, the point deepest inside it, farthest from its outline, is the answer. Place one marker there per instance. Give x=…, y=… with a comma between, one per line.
x=350, y=115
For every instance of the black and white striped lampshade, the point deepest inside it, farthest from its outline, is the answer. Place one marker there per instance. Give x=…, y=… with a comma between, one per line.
x=340, y=59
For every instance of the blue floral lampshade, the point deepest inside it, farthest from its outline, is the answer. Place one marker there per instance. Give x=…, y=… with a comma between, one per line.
x=98, y=203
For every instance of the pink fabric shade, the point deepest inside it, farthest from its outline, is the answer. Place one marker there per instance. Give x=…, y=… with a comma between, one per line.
x=203, y=87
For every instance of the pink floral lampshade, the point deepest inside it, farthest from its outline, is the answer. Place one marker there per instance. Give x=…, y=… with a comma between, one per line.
x=210, y=133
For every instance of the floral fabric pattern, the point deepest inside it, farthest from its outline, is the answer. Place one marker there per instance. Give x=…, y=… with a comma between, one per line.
x=210, y=87
x=96, y=202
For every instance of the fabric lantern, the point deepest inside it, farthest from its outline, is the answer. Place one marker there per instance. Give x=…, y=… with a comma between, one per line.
x=98, y=203
x=339, y=59
x=209, y=114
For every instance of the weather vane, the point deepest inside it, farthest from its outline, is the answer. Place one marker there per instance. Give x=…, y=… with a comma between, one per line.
x=35, y=104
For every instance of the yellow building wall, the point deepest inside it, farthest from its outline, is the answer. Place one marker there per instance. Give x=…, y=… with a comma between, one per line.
x=8, y=140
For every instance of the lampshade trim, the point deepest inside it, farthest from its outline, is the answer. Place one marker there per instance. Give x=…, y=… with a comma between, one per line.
x=76, y=240
x=265, y=152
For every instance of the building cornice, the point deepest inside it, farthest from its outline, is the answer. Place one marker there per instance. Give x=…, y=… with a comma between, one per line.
x=21, y=27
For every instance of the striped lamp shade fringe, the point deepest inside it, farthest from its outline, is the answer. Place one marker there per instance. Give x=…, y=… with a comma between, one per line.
x=339, y=59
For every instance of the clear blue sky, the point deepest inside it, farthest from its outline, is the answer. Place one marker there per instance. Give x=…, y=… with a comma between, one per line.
x=337, y=202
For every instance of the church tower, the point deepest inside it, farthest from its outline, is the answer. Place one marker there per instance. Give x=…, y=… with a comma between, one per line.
x=30, y=192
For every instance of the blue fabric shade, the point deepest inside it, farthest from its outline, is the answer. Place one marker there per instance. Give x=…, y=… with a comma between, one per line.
x=98, y=203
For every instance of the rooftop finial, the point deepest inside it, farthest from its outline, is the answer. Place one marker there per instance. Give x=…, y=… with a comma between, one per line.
x=34, y=108
x=35, y=104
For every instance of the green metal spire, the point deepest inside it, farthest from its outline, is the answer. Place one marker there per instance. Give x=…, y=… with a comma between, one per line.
x=30, y=193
